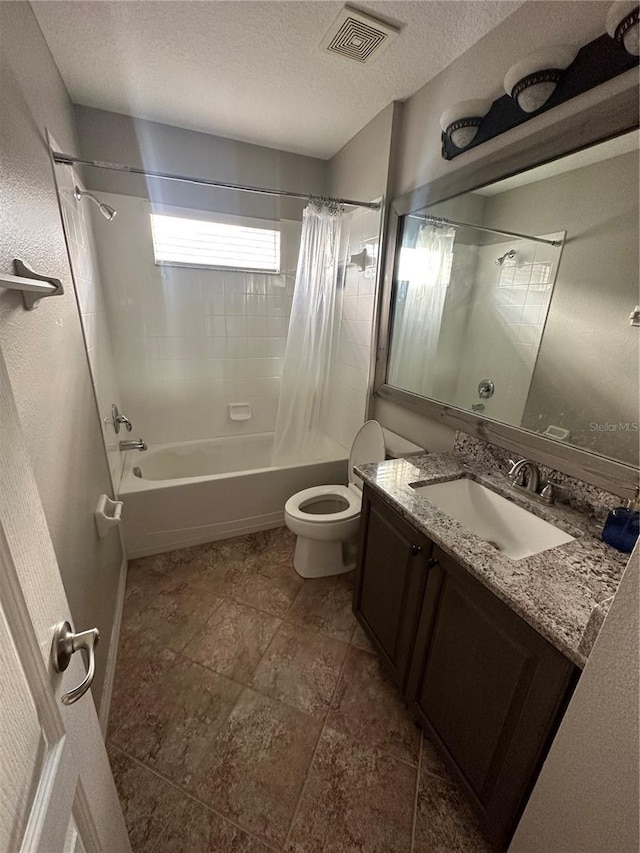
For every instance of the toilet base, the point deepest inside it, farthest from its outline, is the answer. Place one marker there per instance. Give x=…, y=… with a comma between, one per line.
x=316, y=559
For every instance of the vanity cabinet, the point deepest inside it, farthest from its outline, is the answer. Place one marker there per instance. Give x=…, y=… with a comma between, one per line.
x=486, y=687
x=390, y=579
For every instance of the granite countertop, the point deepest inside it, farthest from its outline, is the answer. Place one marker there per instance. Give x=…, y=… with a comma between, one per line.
x=563, y=593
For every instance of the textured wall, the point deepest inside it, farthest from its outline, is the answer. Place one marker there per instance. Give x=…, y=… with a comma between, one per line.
x=161, y=147
x=360, y=170
x=44, y=349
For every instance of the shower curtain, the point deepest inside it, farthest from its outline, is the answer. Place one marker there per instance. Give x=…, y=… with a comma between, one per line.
x=416, y=325
x=307, y=361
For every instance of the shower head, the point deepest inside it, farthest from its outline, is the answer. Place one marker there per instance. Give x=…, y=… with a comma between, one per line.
x=510, y=254
x=105, y=209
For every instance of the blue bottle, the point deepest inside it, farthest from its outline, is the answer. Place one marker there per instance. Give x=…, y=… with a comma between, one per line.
x=622, y=526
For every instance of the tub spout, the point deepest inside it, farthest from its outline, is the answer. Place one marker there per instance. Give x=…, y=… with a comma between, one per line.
x=139, y=444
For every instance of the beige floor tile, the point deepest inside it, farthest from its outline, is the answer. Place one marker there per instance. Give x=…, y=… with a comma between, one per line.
x=166, y=563
x=357, y=799
x=256, y=570
x=183, y=710
x=262, y=584
x=233, y=641
x=444, y=820
x=143, y=585
x=367, y=706
x=324, y=604
x=139, y=662
x=301, y=668
x=432, y=762
x=361, y=641
x=173, y=616
x=146, y=800
x=247, y=752
x=255, y=769
x=192, y=828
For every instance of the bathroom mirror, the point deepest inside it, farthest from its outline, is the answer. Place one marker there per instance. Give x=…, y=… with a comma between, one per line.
x=515, y=303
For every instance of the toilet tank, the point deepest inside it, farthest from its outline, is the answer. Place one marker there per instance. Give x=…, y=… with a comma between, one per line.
x=396, y=446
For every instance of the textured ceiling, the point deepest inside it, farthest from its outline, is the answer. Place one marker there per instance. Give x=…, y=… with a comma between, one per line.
x=253, y=70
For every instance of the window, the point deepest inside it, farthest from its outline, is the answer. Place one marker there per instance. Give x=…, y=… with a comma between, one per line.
x=207, y=243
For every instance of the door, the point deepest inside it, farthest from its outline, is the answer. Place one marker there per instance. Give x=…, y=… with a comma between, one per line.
x=56, y=788
x=390, y=578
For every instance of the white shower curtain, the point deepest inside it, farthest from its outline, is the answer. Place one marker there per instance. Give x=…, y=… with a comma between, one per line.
x=417, y=320
x=307, y=362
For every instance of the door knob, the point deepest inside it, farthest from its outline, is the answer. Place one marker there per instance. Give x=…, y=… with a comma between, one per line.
x=415, y=550
x=66, y=643
x=431, y=562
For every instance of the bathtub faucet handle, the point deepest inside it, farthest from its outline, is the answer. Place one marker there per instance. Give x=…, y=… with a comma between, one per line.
x=117, y=420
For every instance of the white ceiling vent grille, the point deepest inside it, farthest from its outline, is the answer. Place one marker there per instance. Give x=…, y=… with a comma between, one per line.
x=358, y=36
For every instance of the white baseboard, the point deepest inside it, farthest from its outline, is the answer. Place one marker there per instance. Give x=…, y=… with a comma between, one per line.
x=107, y=690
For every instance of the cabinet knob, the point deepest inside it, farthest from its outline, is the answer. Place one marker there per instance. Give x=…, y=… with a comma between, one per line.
x=431, y=562
x=415, y=550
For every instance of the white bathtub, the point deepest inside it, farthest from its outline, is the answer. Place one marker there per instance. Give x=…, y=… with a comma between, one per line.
x=200, y=491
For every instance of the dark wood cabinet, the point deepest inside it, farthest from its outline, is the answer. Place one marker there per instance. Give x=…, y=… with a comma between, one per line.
x=489, y=690
x=390, y=578
x=486, y=687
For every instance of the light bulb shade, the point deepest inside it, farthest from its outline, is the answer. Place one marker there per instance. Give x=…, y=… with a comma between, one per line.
x=533, y=80
x=461, y=121
x=622, y=24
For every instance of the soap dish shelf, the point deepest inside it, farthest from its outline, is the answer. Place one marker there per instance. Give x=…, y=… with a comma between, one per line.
x=240, y=411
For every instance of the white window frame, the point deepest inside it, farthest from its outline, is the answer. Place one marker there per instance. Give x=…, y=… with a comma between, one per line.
x=223, y=219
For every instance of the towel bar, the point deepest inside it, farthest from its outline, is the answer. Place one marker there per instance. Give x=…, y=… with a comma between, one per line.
x=33, y=286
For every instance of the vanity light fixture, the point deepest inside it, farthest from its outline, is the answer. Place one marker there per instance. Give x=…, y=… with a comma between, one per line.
x=623, y=26
x=532, y=80
x=461, y=121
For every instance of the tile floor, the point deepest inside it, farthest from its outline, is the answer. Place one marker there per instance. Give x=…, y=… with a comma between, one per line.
x=251, y=714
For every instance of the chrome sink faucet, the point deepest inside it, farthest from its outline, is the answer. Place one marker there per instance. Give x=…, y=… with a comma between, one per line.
x=133, y=444
x=531, y=484
x=517, y=473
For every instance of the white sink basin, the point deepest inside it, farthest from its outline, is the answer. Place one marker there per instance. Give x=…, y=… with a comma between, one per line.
x=513, y=531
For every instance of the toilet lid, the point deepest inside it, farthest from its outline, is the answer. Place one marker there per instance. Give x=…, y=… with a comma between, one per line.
x=368, y=446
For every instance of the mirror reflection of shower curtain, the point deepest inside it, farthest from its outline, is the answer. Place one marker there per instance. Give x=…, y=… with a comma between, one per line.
x=425, y=272
x=307, y=363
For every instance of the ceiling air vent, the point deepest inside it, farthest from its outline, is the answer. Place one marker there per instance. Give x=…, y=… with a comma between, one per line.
x=358, y=36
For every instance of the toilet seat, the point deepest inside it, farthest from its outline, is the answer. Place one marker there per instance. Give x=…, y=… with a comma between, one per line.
x=350, y=494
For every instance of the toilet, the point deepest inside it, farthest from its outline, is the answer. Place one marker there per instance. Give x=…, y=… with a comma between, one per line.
x=326, y=518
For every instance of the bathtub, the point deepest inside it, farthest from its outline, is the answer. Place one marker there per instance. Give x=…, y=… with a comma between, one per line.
x=176, y=495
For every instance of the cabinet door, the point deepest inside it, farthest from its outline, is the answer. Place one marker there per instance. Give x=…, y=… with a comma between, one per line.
x=391, y=570
x=489, y=688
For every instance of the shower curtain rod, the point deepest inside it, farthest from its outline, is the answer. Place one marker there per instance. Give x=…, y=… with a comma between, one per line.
x=68, y=160
x=438, y=220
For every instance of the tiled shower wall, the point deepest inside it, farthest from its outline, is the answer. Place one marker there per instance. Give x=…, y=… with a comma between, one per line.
x=505, y=324
x=93, y=310
x=188, y=342
x=354, y=329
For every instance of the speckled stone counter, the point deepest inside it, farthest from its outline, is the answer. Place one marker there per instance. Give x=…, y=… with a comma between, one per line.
x=562, y=592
